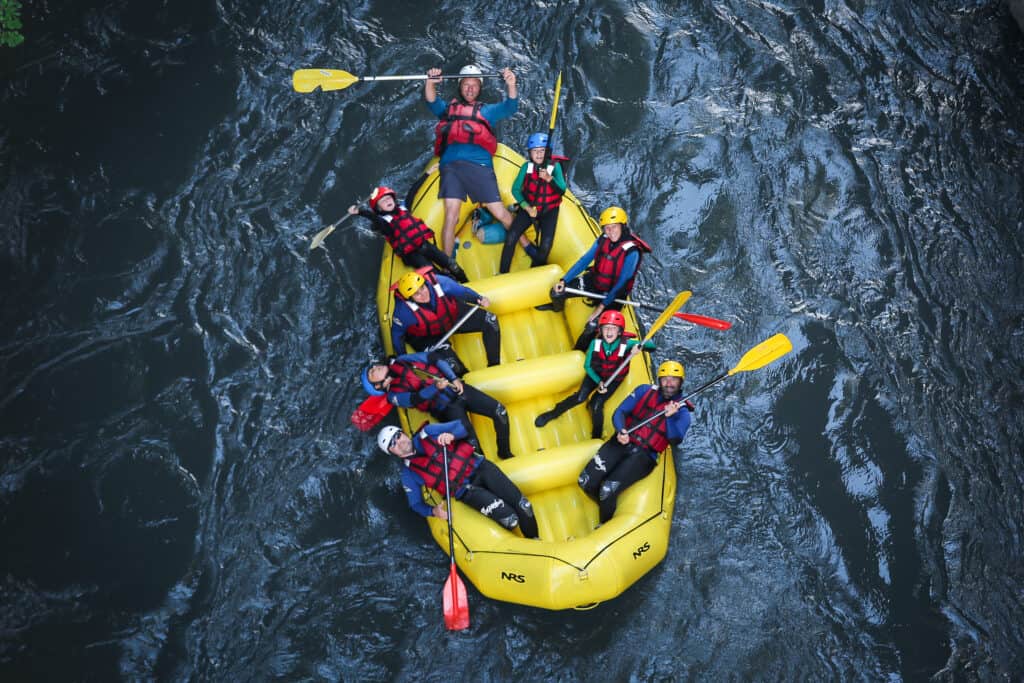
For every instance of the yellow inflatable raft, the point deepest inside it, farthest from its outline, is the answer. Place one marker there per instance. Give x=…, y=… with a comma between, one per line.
x=573, y=564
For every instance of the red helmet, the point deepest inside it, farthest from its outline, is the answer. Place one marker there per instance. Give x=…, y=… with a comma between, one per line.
x=612, y=318
x=381, y=191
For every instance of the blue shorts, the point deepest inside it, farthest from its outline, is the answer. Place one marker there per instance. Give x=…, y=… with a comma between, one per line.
x=461, y=178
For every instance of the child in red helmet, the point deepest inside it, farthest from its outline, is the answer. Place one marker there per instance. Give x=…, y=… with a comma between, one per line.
x=411, y=238
x=609, y=349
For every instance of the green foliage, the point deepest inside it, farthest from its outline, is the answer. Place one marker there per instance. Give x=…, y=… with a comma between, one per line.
x=10, y=22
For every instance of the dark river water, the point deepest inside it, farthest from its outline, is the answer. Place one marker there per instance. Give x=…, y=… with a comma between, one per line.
x=182, y=497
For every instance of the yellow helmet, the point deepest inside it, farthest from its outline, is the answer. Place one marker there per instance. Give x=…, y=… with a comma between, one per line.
x=671, y=368
x=613, y=214
x=409, y=283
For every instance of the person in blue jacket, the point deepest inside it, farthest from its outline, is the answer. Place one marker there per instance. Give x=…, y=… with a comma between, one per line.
x=426, y=381
x=614, y=261
x=428, y=305
x=647, y=422
x=475, y=481
x=465, y=142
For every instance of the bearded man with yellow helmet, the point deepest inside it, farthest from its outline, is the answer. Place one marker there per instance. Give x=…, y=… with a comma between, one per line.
x=647, y=422
x=427, y=306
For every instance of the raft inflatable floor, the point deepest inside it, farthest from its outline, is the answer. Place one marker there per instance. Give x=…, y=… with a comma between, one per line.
x=574, y=563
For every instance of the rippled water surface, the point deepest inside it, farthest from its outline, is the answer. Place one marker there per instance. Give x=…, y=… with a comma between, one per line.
x=181, y=496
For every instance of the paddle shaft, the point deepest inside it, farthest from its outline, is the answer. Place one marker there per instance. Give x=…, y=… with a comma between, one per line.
x=625, y=302
x=554, y=115
x=453, y=575
x=423, y=77
x=680, y=402
x=435, y=346
x=690, y=317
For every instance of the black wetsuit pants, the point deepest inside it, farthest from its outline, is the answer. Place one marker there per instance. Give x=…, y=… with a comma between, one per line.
x=545, y=222
x=477, y=402
x=494, y=495
x=612, y=470
x=596, y=404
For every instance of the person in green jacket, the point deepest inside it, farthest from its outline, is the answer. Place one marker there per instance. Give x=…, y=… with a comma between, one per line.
x=538, y=189
x=609, y=349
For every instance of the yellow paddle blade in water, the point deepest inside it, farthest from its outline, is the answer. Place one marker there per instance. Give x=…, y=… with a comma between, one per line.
x=308, y=80
x=668, y=313
x=319, y=238
x=764, y=353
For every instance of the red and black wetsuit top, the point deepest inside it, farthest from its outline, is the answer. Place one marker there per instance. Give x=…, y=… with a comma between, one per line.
x=540, y=193
x=406, y=380
x=433, y=322
x=604, y=364
x=462, y=462
x=462, y=123
x=407, y=233
x=654, y=434
x=610, y=259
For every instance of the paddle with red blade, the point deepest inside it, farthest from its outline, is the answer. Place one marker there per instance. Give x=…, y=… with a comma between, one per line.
x=456, y=606
x=703, y=320
x=370, y=412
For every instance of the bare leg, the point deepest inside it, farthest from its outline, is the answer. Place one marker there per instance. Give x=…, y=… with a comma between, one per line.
x=452, y=207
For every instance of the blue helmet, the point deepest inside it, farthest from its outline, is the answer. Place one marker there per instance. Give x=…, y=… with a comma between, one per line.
x=367, y=384
x=537, y=140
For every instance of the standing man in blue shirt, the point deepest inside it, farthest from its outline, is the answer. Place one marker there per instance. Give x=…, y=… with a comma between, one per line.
x=465, y=142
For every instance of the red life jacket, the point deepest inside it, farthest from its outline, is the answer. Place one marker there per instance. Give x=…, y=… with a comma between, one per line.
x=461, y=463
x=462, y=123
x=408, y=233
x=433, y=322
x=610, y=258
x=406, y=380
x=654, y=434
x=540, y=193
x=605, y=364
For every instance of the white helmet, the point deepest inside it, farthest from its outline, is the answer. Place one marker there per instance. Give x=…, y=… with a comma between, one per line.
x=470, y=70
x=385, y=436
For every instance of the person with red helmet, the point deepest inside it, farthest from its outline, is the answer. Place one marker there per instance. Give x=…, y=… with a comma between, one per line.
x=605, y=354
x=410, y=238
x=465, y=144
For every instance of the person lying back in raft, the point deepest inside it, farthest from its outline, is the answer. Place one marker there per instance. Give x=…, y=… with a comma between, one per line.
x=478, y=483
x=409, y=237
x=465, y=143
x=604, y=355
x=627, y=458
x=538, y=189
x=615, y=257
x=426, y=381
x=428, y=305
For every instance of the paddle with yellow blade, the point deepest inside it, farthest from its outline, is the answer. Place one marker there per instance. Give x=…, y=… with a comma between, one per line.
x=554, y=115
x=666, y=315
x=769, y=350
x=308, y=80
x=319, y=238
x=456, y=606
